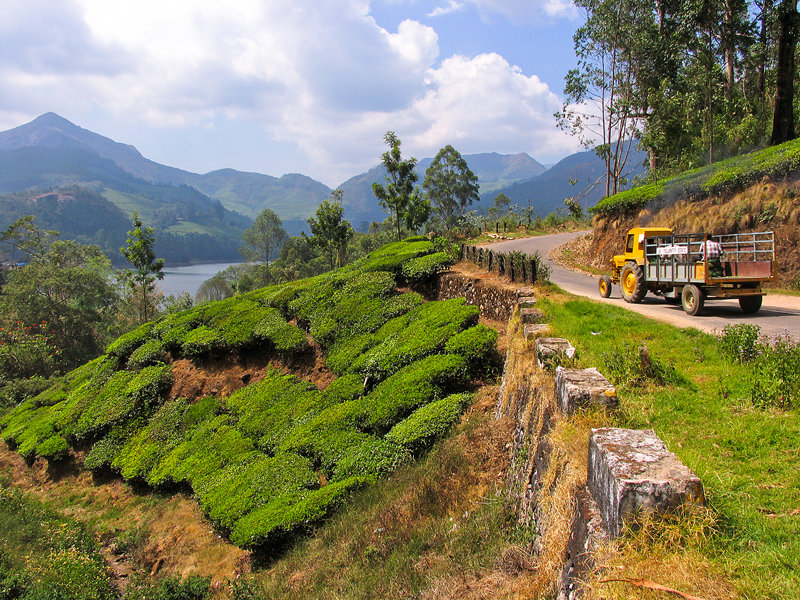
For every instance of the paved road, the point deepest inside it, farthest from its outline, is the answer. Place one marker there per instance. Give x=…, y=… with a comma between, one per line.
x=778, y=315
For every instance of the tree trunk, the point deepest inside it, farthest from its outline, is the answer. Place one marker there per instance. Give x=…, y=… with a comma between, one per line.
x=783, y=117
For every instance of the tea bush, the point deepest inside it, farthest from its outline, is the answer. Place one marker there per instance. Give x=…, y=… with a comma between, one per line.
x=427, y=424
x=478, y=345
x=425, y=268
x=277, y=455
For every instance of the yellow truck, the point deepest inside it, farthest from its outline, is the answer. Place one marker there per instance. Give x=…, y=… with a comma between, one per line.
x=691, y=268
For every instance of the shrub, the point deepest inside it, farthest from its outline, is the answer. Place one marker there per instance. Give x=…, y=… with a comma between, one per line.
x=775, y=379
x=127, y=343
x=633, y=365
x=478, y=345
x=740, y=342
x=53, y=448
x=425, y=268
x=285, y=338
x=287, y=515
x=147, y=354
x=427, y=424
x=374, y=457
x=413, y=386
x=201, y=341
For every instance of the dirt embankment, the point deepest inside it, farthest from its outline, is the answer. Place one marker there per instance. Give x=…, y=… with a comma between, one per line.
x=765, y=206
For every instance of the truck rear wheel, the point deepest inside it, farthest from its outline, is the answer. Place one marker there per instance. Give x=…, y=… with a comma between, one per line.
x=632, y=282
x=750, y=304
x=692, y=299
x=605, y=286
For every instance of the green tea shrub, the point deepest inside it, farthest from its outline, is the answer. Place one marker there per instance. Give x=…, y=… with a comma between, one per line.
x=392, y=256
x=428, y=423
x=53, y=448
x=343, y=389
x=149, y=353
x=173, y=329
x=342, y=355
x=202, y=341
x=127, y=343
x=411, y=387
x=285, y=338
x=478, y=345
x=238, y=489
x=425, y=268
x=269, y=409
x=374, y=457
x=287, y=515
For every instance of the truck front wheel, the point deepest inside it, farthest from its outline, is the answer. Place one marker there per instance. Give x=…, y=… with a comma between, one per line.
x=632, y=282
x=692, y=299
x=750, y=304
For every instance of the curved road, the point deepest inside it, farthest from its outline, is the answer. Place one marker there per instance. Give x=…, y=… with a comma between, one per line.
x=778, y=315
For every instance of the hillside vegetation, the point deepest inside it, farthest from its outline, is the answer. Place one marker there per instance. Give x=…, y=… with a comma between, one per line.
x=280, y=453
x=759, y=191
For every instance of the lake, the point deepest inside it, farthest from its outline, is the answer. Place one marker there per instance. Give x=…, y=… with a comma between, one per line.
x=188, y=279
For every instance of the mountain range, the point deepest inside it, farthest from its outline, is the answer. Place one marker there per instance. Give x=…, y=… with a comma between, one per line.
x=51, y=153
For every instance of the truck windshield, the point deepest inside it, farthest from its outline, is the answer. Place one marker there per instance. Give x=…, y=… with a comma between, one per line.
x=629, y=247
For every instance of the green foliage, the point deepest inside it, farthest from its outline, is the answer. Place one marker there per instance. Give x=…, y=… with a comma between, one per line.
x=400, y=178
x=739, y=342
x=450, y=185
x=633, y=365
x=413, y=386
x=53, y=448
x=194, y=587
x=125, y=344
x=27, y=351
x=149, y=353
x=264, y=237
x=425, y=268
x=429, y=423
x=724, y=177
x=478, y=345
x=775, y=379
x=374, y=457
x=329, y=232
x=139, y=251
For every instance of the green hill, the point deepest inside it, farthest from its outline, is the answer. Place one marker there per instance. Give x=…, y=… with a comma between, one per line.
x=280, y=453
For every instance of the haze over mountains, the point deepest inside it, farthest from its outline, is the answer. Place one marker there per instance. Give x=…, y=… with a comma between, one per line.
x=51, y=152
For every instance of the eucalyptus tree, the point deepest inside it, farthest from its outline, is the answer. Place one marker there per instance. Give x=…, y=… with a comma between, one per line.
x=264, y=238
x=140, y=252
x=450, y=185
x=329, y=231
x=400, y=178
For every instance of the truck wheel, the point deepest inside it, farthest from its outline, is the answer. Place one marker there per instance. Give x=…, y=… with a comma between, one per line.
x=605, y=286
x=632, y=283
x=692, y=299
x=750, y=304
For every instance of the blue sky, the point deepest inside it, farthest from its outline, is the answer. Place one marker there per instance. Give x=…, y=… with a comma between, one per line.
x=300, y=86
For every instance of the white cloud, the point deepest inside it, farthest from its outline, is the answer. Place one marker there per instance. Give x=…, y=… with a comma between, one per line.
x=451, y=7
x=527, y=10
x=323, y=77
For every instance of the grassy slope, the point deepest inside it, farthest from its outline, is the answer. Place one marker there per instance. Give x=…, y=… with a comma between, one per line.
x=746, y=456
x=720, y=178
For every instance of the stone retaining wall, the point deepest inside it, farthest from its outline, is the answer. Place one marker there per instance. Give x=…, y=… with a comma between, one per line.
x=495, y=300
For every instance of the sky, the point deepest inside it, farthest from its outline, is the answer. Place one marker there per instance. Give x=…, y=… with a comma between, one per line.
x=293, y=86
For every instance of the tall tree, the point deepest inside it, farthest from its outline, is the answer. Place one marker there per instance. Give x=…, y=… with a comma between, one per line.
x=329, y=231
x=783, y=127
x=400, y=179
x=450, y=185
x=139, y=251
x=25, y=241
x=264, y=238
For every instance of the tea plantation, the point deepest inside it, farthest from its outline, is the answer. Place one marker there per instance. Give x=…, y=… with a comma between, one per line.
x=276, y=456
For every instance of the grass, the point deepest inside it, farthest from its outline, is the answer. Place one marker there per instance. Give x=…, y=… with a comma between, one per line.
x=746, y=456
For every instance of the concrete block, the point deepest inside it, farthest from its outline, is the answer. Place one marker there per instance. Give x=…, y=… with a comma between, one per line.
x=583, y=387
x=632, y=470
x=527, y=302
x=549, y=350
x=531, y=315
x=532, y=331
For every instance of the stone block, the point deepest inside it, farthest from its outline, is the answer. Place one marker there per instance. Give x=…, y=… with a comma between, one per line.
x=526, y=302
x=524, y=292
x=549, y=350
x=531, y=315
x=532, y=331
x=582, y=387
x=632, y=470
